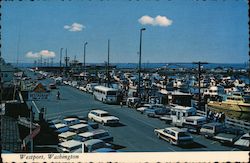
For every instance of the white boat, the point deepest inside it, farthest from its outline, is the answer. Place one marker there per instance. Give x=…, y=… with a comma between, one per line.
x=235, y=102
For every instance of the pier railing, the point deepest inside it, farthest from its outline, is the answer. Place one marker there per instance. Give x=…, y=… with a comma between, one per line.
x=231, y=121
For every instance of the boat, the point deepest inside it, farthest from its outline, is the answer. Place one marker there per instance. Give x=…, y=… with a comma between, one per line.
x=236, y=102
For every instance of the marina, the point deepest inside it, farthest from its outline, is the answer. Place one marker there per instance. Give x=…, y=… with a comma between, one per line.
x=134, y=131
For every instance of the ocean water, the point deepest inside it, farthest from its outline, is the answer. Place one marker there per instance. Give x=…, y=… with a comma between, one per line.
x=159, y=65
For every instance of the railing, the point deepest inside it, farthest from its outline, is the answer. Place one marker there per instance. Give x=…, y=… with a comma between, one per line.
x=230, y=121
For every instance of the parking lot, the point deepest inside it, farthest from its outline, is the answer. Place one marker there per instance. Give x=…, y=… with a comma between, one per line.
x=135, y=132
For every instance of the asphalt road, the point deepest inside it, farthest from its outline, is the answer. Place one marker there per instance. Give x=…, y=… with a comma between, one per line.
x=136, y=132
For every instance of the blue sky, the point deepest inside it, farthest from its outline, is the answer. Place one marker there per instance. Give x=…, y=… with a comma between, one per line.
x=212, y=31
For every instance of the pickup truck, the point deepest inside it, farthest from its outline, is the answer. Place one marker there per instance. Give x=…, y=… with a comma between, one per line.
x=228, y=136
x=225, y=135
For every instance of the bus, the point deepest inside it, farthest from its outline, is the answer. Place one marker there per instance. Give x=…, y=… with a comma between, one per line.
x=106, y=94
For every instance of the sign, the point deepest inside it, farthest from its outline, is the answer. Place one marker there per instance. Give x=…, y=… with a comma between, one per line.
x=38, y=95
x=39, y=88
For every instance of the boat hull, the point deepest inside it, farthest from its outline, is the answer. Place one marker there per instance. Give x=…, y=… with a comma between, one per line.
x=243, y=107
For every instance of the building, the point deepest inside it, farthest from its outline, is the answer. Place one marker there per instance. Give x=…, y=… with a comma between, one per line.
x=7, y=71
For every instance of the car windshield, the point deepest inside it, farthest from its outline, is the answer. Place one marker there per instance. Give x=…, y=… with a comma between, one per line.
x=105, y=115
x=182, y=134
x=98, y=146
x=246, y=138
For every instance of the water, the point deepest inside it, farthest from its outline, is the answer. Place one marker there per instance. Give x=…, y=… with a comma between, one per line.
x=159, y=65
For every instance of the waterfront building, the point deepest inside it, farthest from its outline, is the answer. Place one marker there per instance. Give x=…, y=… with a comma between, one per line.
x=7, y=71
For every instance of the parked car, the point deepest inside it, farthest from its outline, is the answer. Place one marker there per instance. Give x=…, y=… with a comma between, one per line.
x=80, y=128
x=243, y=142
x=95, y=134
x=52, y=86
x=71, y=121
x=61, y=127
x=194, y=123
x=102, y=117
x=65, y=136
x=143, y=107
x=70, y=146
x=211, y=129
x=174, y=135
x=97, y=145
x=133, y=102
x=228, y=136
x=156, y=110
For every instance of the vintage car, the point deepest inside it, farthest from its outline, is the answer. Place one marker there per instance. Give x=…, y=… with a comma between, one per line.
x=174, y=135
x=97, y=145
x=102, y=117
x=95, y=134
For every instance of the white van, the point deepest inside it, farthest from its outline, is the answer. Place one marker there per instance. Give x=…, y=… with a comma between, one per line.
x=174, y=135
x=179, y=114
x=194, y=123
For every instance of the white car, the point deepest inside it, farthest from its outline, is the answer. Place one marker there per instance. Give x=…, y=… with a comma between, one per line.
x=102, y=117
x=174, y=135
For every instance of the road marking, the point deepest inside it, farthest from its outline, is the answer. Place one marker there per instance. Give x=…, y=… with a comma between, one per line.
x=172, y=149
x=33, y=102
x=213, y=142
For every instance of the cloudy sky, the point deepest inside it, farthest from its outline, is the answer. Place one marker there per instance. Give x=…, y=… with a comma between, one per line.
x=176, y=31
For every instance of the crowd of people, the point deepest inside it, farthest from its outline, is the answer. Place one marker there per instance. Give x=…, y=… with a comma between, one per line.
x=216, y=116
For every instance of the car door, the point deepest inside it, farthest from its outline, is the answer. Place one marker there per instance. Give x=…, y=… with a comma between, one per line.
x=98, y=117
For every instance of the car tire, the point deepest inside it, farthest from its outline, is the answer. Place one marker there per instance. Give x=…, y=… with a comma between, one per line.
x=171, y=142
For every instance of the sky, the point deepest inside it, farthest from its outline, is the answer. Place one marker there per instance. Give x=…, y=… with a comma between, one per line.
x=176, y=30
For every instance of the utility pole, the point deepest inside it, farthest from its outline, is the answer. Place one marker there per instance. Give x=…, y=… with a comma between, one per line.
x=108, y=65
x=199, y=81
x=84, y=57
x=61, y=58
x=139, y=73
x=31, y=139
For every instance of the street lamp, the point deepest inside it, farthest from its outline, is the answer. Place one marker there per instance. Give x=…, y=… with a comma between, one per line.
x=139, y=75
x=84, y=56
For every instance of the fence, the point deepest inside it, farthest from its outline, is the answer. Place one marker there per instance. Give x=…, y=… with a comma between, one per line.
x=232, y=122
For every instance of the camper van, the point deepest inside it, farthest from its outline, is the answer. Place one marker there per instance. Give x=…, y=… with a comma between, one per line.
x=194, y=123
x=179, y=113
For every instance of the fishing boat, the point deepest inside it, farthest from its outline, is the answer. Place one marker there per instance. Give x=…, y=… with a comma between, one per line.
x=236, y=102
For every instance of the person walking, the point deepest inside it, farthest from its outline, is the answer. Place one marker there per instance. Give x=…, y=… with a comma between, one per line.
x=58, y=95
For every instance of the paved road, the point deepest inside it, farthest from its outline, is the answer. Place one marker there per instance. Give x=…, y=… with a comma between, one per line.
x=136, y=132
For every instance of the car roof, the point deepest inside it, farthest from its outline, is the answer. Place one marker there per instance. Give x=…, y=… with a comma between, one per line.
x=77, y=126
x=92, y=142
x=60, y=125
x=70, y=119
x=66, y=134
x=91, y=133
x=99, y=111
x=176, y=129
x=213, y=124
x=70, y=143
x=196, y=117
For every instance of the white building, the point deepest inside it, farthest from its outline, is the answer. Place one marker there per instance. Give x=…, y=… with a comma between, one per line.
x=7, y=71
